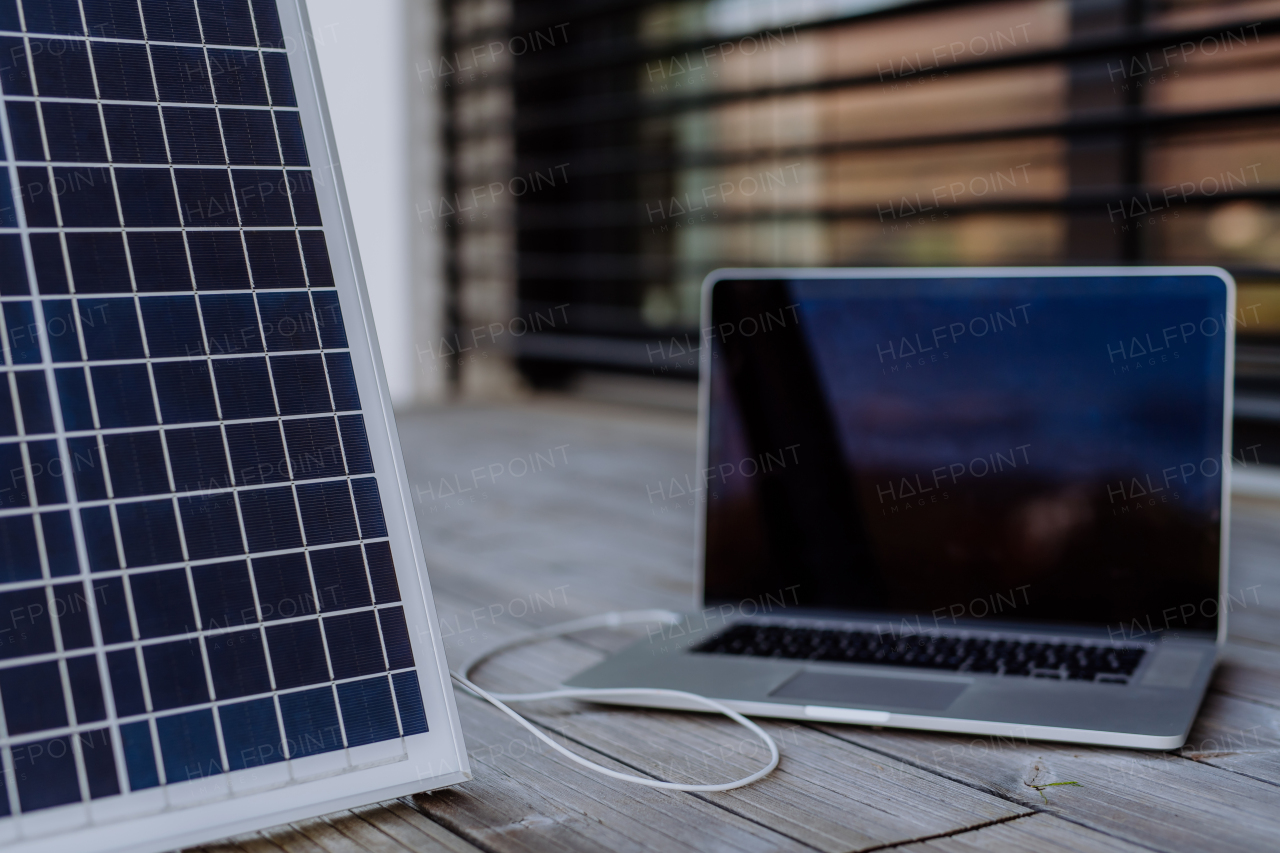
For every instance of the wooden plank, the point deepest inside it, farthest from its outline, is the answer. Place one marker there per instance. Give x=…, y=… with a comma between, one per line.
x=825, y=794
x=534, y=799
x=1039, y=833
x=1155, y=799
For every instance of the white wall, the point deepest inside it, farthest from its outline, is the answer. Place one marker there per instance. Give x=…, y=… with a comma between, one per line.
x=363, y=50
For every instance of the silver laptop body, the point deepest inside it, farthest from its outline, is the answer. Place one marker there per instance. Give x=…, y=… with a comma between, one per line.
x=988, y=501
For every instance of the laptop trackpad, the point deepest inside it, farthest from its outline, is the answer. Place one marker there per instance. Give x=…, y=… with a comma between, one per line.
x=869, y=690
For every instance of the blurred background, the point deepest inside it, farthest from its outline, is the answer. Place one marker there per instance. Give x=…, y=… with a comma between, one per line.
x=540, y=187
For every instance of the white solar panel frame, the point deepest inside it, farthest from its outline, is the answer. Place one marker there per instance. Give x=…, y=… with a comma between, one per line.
x=192, y=812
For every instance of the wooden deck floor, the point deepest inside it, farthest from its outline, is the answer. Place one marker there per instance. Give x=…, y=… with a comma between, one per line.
x=591, y=533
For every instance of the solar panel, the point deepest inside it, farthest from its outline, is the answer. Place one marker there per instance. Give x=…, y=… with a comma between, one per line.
x=213, y=610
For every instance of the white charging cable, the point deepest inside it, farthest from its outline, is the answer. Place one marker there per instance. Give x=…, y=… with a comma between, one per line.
x=609, y=620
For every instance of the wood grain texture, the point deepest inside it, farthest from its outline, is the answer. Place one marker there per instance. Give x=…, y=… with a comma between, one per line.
x=512, y=547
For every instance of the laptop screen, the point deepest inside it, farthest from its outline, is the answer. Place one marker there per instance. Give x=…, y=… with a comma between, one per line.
x=1028, y=450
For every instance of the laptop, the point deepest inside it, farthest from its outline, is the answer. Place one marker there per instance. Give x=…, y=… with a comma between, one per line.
x=988, y=501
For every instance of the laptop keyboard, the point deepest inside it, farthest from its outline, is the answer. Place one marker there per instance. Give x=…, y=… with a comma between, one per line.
x=992, y=655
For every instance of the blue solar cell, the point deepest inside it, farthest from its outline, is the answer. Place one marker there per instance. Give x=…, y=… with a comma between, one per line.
x=244, y=388
x=14, y=77
x=342, y=379
x=327, y=512
x=206, y=199
x=210, y=525
x=355, y=444
x=159, y=261
x=250, y=137
x=333, y=335
x=60, y=329
x=300, y=384
x=71, y=606
x=395, y=636
x=117, y=19
x=181, y=74
x=175, y=674
x=279, y=80
x=146, y=198
x=8, y=212
x=257, y=453
x=382, y=572
x=227, y=22
x=171, y=20
x=134, y=133
x=193, y=136
x=310, y=722
x=98, y=263
x=274, y=258
x=368, y=715
x=85, y=196
x=99, y=538
x=124, y=73
x=287, y=321
x=237, y=664
x=9, y=16
x=74, y=132
x=87, y=468
x=19, y=554
x=173, y=326
x=413, y=717
x=354, y=646
x=33, y=400
x=189, y=746
x=59, y=543
x=251, y=733
x=86, y=689
x=99, y=763
x=46, y=774
x=198, y=458
x=136, y=462
x=46, y=471
x=238, y=77
x=284, y=587
x=139, y=756
x=148, y=533
x=123, y=394
x=224, y=594
x=292, y=143
x=341, y=583
x=231, y=323
x=162, y=603
x=51, y=269
x=270, y=519
x=110, y=329
x=8, y=421
x=218, y=260
x=13, y=265
x=302, y=189
x=53, y=16
x=267, y=20
x=126, y=682
x=37, y=201
x=24, y=131
x=22, y=333
x=25, y=619
x=263, y=196
x=185, y=392
x=297, y=654
x=314, y=449
x=113, y=610
x=14, y=489
x=62, y=68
